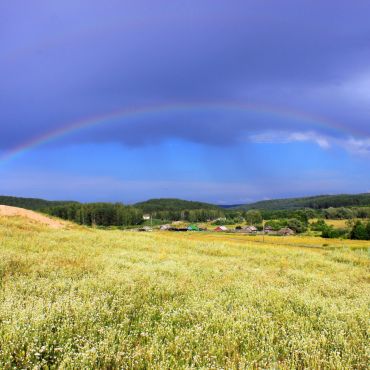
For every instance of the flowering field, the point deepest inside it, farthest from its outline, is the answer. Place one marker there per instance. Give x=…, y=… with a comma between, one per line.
x=83, y=298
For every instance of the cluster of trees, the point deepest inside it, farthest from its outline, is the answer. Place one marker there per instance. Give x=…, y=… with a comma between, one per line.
x=98, y=214
x=252, y=217
x=190, y=215
x=356, y=230
x=109, y=214
x=296, y=224
x=360, y=231
x=301, y=214
x=346, y=213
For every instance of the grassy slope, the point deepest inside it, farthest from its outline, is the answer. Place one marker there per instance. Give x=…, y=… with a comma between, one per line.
x=92, y=298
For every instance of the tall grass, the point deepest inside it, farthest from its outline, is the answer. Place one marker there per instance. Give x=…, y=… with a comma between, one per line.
x=83, y=298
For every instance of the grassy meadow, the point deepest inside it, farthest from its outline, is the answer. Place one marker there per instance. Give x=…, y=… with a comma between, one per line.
x=84, y=298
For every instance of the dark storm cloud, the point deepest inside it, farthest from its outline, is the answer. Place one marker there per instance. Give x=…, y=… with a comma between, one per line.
x=62, y=61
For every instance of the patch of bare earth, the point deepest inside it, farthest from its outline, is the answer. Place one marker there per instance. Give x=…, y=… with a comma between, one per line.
x=21, y=212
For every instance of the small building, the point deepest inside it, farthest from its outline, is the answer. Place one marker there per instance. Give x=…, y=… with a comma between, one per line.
x=146, y=217
x=221, y=228
x=249, y=229
x=286, y=231
x=269, y=230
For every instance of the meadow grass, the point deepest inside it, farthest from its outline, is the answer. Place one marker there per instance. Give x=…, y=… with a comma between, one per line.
x=84, y=298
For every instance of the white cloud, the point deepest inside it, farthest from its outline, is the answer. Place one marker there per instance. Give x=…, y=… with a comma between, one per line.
x=282, y=137
x=356, y=146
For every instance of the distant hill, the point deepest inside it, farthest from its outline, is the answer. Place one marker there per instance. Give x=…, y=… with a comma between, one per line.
x=316, y=202
x=230, y=206
x=172, y=204
x=30, y=203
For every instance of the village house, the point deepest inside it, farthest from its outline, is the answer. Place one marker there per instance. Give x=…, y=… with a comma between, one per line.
x=269, y=230
x=249, y=229
x=221, y=228
x=286, y=231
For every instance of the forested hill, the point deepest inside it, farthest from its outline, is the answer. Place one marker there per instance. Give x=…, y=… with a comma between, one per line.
x=30, y=203
x=316, y=202
x=172, y=204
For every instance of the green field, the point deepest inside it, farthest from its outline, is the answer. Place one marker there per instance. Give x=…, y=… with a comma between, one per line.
x=84, y=298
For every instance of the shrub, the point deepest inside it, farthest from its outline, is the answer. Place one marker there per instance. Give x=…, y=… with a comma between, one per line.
x=297, y=225
x=319, y=225
x=331, y=232
x=360, y=231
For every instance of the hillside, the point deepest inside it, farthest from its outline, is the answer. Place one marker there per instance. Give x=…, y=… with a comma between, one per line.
x=172, y=204
x=30, y=203
x=316, y=202
x=7, y=211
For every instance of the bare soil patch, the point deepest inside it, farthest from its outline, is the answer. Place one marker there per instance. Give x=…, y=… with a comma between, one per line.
x=15, y=211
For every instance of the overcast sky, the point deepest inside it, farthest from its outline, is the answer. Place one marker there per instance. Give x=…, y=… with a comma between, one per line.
x=236, y=101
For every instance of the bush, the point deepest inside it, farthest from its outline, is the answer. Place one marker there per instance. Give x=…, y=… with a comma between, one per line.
x=331, y=232
x=277, y=224
x=319, y=225
x=297, y=225
x=360, y=231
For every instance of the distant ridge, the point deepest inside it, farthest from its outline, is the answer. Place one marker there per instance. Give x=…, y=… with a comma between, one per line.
x=174, y=204
x=30, y=203
x=315, y=202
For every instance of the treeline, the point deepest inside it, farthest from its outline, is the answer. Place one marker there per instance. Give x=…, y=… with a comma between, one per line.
x=191, y=215
x=109, y=214
x=341, y=213
x=356, y=230
x=98, y=214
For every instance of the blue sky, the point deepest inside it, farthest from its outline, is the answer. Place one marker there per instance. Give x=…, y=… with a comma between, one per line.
x=259, y=99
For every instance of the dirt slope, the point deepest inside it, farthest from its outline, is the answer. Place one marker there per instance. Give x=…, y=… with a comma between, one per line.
x=14, y=211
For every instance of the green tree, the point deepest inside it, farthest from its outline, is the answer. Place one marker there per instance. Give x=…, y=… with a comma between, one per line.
x=253, y=217
x=359, y=231
x=297, y=225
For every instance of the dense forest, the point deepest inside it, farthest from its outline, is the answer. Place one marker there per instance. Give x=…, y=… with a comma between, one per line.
x=98, y=214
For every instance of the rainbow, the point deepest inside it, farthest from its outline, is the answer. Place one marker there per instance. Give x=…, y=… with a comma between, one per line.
x=138, y=112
